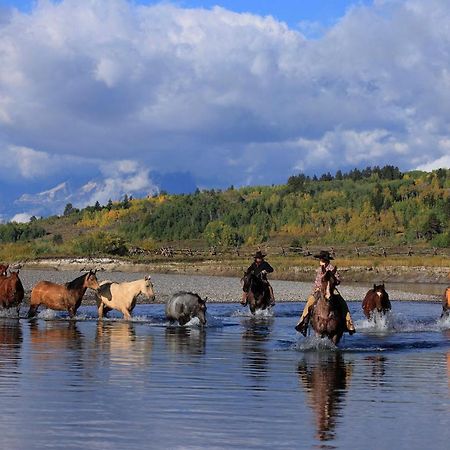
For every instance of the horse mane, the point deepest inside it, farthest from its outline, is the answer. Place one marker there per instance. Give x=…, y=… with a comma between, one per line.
x=77, y=283
x=189, y=293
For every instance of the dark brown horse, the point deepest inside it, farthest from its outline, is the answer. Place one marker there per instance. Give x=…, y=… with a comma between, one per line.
x=257, y=290
x=446, y=304
x=11, y=291
x=328, y=313
x=62, y=297
x=376, y=300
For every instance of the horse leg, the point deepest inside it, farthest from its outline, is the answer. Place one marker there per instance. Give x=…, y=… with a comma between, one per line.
x=126, y=314
x=32, y=311
x=100, y=310
x=72, y=311
x=336, y=338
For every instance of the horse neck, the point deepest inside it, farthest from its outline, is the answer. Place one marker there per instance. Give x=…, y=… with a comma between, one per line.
x=78, y=292
x=136, y=287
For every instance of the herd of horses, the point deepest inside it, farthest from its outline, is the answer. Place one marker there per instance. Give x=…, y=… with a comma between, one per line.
x=327, y=314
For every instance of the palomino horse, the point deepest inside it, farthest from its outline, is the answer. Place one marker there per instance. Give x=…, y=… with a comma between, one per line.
x=328, y=313
x=257, y=290
x=446, y=304
x=62, y=297
x=11, y=291
x=122, y=296
x=376, y=299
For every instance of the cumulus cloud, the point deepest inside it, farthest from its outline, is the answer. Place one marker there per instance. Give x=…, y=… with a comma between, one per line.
x=230, y=98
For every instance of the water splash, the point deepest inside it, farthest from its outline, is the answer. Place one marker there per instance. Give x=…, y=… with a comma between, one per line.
x=259, y=314
x=379, y=322
x=444, y=322
x=48, y=314
x=314, y=344
x=10, y=313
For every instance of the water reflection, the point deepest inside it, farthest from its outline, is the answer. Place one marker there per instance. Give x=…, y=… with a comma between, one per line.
x=325, y=378
x=119, y=344
x=255, y=338
x=53, y=340
x=185, y=340
x=10, y=346
x=377, y=365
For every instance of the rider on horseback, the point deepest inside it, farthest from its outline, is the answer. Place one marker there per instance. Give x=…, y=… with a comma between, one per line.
x=260, y=268
x=324, y=258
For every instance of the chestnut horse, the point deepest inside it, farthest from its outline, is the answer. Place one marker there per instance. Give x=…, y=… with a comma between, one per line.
x=328, y=313
x=376, y=299
x=11, y=291
x=61, y=297
x=258, y=292
x=446, y=304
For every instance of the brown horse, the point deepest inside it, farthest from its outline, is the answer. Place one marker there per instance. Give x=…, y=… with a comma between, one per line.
x=376, y=299
x=11, y=291
x=328, y=313
x=257, y=290
x=446, y=304
x=60, y=297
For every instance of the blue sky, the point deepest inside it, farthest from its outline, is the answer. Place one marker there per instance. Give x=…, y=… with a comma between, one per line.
x=100, y=98
x=290, y=11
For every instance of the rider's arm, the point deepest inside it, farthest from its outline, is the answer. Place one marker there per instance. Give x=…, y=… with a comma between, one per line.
x=267, y=267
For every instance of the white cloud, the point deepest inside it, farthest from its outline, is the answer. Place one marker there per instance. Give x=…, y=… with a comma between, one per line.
x=21, y=218
x=441, y=163
x=228, y=97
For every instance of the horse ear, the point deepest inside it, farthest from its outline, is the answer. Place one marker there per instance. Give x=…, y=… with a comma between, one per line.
x=374, y=286
x=334, y=270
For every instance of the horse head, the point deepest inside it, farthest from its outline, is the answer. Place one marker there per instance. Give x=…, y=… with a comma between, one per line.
x=4, y=270
x=382, y=297
x=246, y=281
x=149, y=291
x=90, y=280
x=329, y=282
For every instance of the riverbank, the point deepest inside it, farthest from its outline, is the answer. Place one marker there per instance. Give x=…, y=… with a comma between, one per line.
x=223, y=289
x=434, y=271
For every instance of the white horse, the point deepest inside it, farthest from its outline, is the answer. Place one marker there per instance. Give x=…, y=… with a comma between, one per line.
x=122, y=296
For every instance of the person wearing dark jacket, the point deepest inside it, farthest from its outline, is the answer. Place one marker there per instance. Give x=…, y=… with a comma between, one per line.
x=260, y=267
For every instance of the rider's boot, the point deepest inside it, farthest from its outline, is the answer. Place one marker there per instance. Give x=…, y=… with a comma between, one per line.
x=349, y=323
x=302, y=326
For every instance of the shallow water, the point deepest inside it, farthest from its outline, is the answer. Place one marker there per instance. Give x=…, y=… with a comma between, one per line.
x=240, y=383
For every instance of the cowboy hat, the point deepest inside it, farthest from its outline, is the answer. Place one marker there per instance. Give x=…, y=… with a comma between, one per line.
x=259, y=255
x=325, y=255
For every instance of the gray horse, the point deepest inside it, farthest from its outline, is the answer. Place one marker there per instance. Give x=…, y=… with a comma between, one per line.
x=183, y=306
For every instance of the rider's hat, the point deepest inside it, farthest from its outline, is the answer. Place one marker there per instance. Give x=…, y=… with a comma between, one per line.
x=324, y=255
x=259, y=255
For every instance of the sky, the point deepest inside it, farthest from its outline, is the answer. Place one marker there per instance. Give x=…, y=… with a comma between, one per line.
x=101, y=98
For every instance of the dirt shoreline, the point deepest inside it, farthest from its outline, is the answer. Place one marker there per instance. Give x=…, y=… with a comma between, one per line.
x=218, y=289
x=368, y=274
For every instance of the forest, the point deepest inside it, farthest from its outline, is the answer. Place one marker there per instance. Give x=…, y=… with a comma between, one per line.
x=373, y=206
